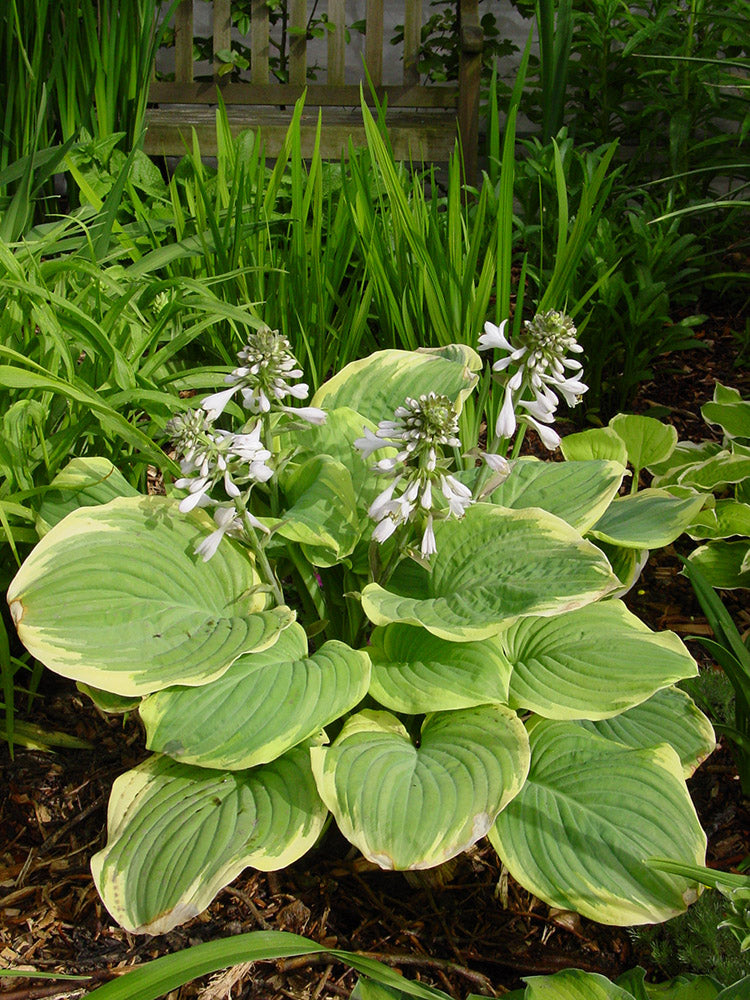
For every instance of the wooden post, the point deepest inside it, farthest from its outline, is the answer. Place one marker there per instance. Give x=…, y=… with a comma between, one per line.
x=374, y=40
x=183, y=42
x=336, y=42
x=259, y=42
x=222, y=30
x=469, y=78
x=298, y=42
x=412, y=40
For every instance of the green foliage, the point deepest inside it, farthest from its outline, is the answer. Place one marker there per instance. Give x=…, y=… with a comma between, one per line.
x=228, y=789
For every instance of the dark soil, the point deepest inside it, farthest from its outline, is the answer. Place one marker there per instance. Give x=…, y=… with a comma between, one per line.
x=480, y=933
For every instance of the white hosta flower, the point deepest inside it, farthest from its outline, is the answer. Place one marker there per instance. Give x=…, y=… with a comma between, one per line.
x=539, y=368
x=268, y=374
x=420, y=486
x=210, y=456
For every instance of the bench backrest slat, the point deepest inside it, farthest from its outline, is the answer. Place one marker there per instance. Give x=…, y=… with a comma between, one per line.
x=222, y=29
x=183, y=43
x=374, y=40
x=336, y=42
x=412, y=39
x=259, y=42
x=298, y=42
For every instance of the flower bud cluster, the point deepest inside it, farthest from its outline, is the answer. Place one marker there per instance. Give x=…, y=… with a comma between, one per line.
x=539, y=369
x=267, y=375
x=421, y=428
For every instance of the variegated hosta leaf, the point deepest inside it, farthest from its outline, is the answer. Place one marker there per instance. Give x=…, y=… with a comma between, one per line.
x=685, y=454
x=322, y=514
x=627, y=565
x=588, y=817
x=115, y=597
x=591, y=663
x=493, y=565
x=415, y=672
x=578, y=492
x=573, y=984
x=724, y=469
x=649, y=519
x=647, y=441
x=84, y=482
x=597, y=442
x=105, y=701
x=406, y=807
x=376, y=385
x=178, y=834
x=336, y=438
x=669, y=716
x=726, y=519
x=264, y=704
x=725, y=565
x=733, y=416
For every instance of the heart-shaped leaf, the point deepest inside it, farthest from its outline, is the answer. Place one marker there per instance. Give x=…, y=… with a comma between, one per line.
x=115, y=596
x=493, y=565
x=573, y=984
x=598, y=442
x=647, y=440
x=406, y=807
x=322, y=514
x=591, y=663
x=724, y=564
x=649, y=519
x=265, y=703
x=578, y=492
x=84, y=482
x=416, y=672
x=178, y=834
x=376, y=385
x=588, y=817
x=669, y=716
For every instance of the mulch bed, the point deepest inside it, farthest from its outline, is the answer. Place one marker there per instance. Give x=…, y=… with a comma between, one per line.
x=479, y=933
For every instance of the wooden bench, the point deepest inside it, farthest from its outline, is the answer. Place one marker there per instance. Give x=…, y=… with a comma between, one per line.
x=423, y=120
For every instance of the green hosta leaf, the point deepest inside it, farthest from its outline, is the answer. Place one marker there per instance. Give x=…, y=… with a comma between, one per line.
x=669, y=716
x=732, y=417
x=105, y=701
x=578, y=492
x=573, y=984
x=599, y=442
x=649, y=519
x=376, y=385
x=684, y=987
x=264, y=704
x=724, y=564
x=178, y=834
x=627, y=564
x=405, y=807
x=336, y=438
x=493, y=565
x=114, y=596
x=84, y=482
x=647, y=440
x=726, y=519
x=723, y=469
x=686, y=454
x=726, y=394
x=416, y=672
x=591, y=663
x=589, y=815
x=322, y=515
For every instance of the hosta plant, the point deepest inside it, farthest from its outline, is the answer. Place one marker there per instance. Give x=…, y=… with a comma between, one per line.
x=344, y=609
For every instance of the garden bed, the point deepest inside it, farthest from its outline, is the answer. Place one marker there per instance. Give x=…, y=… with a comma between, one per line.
x=478, y=933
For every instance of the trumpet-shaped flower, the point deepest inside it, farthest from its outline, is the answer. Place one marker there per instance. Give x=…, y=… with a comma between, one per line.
x=268, y=374
x=210, y=456
x=539, y=367
x=421, y=487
